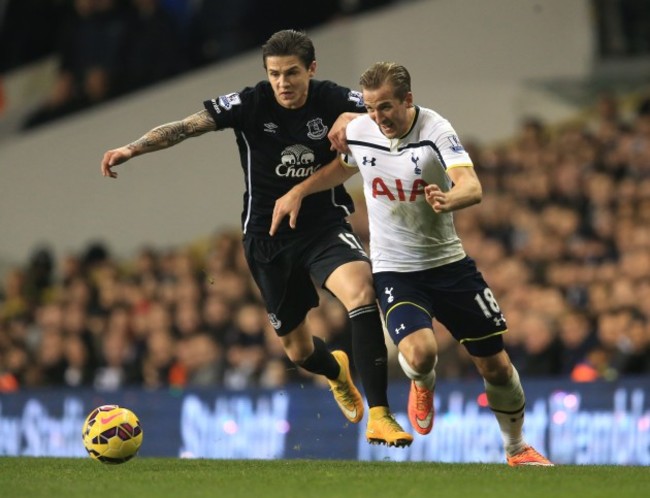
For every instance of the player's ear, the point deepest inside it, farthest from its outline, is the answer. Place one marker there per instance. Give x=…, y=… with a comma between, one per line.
x=409, y=99
x=312, y=69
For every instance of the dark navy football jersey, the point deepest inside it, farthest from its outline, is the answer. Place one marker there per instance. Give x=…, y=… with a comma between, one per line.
x=279, y=148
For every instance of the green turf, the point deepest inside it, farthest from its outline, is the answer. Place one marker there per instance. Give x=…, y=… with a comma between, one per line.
x=167, y=477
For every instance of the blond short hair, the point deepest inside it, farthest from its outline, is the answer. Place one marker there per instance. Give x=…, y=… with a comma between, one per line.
x=387, y=72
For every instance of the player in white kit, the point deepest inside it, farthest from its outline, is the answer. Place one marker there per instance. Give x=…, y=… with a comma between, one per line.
x=415, y=174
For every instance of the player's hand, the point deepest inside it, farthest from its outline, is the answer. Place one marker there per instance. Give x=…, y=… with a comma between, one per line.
x=338, y=141
x=288, y=204
x=436, y=198
x=113, y=158
x=337, y=136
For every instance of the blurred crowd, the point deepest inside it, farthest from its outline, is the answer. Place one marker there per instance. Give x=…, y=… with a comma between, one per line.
x=562, y=237
x=182, y=317
x=107, y=48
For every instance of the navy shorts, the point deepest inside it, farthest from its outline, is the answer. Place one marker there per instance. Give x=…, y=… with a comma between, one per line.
x=455, y=294
x=285, y=269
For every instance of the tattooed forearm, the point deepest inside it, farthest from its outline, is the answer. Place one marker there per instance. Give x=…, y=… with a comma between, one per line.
x=169, y=134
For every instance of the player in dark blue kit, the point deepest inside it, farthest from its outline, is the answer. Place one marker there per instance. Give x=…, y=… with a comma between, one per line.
x=282, y=127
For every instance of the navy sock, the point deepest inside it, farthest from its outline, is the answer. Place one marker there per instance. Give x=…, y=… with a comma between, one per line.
x=370, y=354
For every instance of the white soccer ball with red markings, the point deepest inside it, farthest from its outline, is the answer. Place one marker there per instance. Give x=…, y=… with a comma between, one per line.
x=112, y=434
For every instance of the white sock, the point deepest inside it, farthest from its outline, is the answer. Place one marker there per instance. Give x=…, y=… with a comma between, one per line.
x=507, y=402
x=427, y=380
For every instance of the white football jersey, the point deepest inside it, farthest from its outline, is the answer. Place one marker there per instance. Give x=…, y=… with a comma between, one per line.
x=405, y=233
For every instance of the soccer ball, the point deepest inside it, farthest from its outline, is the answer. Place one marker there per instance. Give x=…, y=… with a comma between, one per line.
x=112, y=434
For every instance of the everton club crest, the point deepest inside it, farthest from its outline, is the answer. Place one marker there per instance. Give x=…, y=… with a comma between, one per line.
x=316, y=129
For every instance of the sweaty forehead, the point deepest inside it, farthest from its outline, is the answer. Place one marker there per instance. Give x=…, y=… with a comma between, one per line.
x=283, y=63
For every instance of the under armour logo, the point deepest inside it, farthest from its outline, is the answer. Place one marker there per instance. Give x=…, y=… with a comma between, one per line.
x=414, y=160
x=400, y=328
x=371, y=161
x=498, y=320
x=389, y=293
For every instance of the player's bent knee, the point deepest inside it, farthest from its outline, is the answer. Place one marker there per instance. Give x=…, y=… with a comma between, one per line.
x=356, y=295
x=425, y=361
x=421, y=358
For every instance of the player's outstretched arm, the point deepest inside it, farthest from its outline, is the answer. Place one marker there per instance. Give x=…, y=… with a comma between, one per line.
x=161, y=137
x=329, y=176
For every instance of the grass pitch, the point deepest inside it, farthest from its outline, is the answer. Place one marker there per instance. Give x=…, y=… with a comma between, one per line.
x=168, y=477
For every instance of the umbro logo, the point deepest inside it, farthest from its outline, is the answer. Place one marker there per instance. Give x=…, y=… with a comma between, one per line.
x=270, y=127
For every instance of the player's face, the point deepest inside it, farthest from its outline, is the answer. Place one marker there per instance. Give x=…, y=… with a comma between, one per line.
x=289, y=79
x=393, y=116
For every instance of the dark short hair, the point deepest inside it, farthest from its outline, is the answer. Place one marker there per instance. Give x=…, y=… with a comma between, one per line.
x=387, y=72
x=290, y=42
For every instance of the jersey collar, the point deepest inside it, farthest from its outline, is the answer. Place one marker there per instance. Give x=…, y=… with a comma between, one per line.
x=394, y=142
